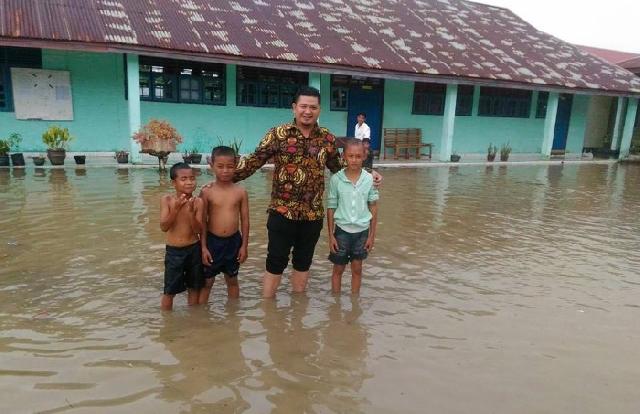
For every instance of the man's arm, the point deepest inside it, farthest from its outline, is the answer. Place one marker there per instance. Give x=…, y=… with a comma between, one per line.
x=251, y=163
x=334, y=160
x=244, y=222
x=168, y=213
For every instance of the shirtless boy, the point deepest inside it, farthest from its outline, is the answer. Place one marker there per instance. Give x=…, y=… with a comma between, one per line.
x=226, y=207
x=181, y=220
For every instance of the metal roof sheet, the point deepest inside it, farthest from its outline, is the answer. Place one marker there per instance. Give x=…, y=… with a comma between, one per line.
x=436, y=39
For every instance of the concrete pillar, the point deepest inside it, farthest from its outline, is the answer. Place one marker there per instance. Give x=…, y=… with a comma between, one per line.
x=627, y=132
x=550, y=124
x=617, y=127
x=314, y=81
x=476, y=101
x=133, y=87
x=448, y=122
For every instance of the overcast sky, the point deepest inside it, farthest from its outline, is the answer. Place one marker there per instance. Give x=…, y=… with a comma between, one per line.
x=610, y=24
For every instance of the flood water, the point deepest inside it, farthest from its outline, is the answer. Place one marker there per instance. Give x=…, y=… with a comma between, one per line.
x=490, y=290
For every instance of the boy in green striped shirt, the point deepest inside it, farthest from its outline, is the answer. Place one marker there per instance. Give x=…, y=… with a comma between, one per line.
x=352, y=215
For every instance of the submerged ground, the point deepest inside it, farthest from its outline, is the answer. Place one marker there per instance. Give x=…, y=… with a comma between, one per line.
x=491, y=290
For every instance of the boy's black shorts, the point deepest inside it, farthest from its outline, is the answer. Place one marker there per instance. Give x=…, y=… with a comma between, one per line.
x=183, y=269
x=224, y=251
x=284, y=234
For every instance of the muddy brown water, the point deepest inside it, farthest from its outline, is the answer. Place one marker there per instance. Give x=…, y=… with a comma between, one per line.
x=490, y=290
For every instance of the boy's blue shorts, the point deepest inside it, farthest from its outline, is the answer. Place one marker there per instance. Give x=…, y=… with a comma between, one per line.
x=182, y=269
x=351, y=246
x=224, y=251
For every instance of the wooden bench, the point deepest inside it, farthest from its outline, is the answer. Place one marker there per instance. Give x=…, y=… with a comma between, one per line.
x=407, y=139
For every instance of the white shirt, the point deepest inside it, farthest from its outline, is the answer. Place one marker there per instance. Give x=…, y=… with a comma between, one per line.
x=362, y=131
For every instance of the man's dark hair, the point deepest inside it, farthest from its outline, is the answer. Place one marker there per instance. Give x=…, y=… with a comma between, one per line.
x=361, y=113
x=306, y=91
x=222, y=151
x=173, y=172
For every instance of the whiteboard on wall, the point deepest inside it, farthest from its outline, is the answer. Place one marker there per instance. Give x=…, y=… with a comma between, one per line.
x=42, y=94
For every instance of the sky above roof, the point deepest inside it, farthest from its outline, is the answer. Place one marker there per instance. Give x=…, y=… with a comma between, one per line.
x=611, y=25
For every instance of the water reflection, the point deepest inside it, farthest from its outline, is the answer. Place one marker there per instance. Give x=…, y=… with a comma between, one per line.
x=483, y=279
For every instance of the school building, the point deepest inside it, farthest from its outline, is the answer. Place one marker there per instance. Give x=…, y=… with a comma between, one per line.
x=467, y=74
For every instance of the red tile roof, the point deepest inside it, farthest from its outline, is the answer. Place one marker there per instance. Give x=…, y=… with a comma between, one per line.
x=438, y=40
x=611, y=56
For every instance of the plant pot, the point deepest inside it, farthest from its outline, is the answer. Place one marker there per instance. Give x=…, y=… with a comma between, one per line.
x=158, y=145
x=80, y=159
x=491, y=157
x=455, y=157
x=504, y=157
x=17, y=159
x=4, y=161
x=122, y=158
x=38, y=161
x=196, y=158
x=56, y=156
x=187, y=158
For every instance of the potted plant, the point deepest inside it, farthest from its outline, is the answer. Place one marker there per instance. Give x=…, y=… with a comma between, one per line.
x=4, y=152
x=455, y=157
x=17, y=159
x=38, y=160
x=236, y=144
x=492, y=150
x=80, y=159
x=56, y=139
x=505, y=150
x=122, y=157
x=193, y=156
x=158, y=138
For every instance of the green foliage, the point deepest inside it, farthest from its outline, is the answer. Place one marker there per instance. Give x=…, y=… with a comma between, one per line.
x=492, y=150
x=505, y=150
x=13, y=142
x=56, y=137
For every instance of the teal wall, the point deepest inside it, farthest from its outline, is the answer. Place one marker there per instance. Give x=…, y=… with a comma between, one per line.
x=577, y=124
x=472, y=134
x=101, y=120
x=100, y=112
x=336, y=121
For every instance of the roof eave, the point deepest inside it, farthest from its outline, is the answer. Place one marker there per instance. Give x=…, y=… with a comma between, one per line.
x=299, y=66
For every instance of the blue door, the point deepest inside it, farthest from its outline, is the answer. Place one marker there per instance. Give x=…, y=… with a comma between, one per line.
x=562, y=122
x=367, y=97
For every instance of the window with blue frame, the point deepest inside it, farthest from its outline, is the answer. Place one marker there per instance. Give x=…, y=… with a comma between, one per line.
x=464, y=101
x=541, y=106
x=16, y=57
x=428, y=98
x=170, y=80
x=503, y=102
x=269, y=88
x=340, y=85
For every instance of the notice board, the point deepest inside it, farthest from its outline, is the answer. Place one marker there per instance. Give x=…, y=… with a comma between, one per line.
x=42, y=94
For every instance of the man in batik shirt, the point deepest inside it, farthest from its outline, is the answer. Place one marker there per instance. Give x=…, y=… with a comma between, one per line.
x=301, y=150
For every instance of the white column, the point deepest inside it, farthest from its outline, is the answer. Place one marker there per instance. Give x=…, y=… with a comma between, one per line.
x=615, y=138
x=448, y=122
x=627, y=133
x=133, y=88
x=550, y=124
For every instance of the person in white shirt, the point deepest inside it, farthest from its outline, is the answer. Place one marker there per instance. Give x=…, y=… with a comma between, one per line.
x=362, y=130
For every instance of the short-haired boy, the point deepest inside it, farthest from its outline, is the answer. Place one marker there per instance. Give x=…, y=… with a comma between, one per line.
x=226, y=207
x=351, y=216
x=181, y=220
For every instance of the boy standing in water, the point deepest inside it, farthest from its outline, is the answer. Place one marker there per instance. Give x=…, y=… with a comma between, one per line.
x=352, y=216
x=226, y=205
x=181, y=219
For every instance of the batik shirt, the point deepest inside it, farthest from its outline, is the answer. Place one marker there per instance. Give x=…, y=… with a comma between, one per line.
x=298, y=178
